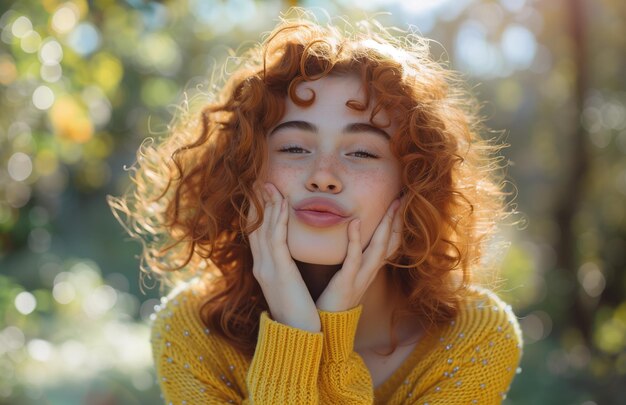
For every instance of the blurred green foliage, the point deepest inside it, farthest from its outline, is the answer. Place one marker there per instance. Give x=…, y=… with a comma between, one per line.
x=83, y=83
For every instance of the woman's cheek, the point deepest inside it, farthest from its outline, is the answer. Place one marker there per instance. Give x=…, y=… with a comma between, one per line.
x=374, y=212
x=283, y=177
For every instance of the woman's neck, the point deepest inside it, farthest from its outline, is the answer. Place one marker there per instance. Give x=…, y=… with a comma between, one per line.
x=378, y=303
x=317, y=276
x=375, y=323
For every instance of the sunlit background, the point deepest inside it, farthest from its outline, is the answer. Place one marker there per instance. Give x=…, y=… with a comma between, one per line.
x=82, y=83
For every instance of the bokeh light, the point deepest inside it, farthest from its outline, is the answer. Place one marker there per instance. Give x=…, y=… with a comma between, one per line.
x=70, y=121
x=25, y=302
x=519, y=46
x=21, y=27
x=12, y=339
x=30, y=42
x=20, y=166
x=40, y=350
x=43, y=97
x=84, y=39
x=83, y=83
x=591, y=279
x=17, y=194
x=8, y=70
x=65, y=18
x=51, y=52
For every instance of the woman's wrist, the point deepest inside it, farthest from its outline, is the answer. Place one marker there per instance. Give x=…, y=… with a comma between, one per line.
x=335, y=303
x=308, y=323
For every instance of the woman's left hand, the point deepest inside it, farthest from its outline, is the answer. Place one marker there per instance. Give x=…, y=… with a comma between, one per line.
x=348, y=285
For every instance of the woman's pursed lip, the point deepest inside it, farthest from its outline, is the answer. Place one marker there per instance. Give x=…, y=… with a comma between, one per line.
x=321, y=205
x=319, y=218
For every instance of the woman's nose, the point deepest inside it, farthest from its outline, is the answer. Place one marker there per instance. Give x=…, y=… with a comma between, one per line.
x=324, y=177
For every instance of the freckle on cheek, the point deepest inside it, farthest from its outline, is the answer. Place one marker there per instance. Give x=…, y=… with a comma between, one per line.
x=283, y=177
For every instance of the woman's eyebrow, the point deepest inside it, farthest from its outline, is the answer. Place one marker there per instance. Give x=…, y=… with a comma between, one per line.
x=348, y=129
x=363, y=127
x=303, y=125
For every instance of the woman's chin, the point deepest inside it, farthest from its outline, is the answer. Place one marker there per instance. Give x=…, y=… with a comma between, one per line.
x=325, y=247
x=316, y=257
x=315, y=253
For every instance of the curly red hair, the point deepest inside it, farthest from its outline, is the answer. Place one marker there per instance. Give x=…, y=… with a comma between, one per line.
x=192, y=191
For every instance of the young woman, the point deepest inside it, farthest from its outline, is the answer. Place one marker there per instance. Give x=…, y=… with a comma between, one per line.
x=332, y=203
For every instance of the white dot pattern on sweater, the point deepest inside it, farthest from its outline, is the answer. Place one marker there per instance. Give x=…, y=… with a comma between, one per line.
x=186, y=378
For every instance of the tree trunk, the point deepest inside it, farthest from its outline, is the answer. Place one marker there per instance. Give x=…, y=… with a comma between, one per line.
x=579, y=164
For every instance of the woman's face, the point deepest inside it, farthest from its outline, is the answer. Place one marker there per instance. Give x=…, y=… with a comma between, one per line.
x=332, y=166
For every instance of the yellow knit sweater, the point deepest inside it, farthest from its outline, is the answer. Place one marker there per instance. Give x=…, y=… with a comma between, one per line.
x=472, y=360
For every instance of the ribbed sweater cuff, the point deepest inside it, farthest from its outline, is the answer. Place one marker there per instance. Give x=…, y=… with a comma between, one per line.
x=339, y=329
x=286, y=361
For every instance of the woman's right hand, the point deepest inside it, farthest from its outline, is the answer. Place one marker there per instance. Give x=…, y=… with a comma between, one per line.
x=284, y=289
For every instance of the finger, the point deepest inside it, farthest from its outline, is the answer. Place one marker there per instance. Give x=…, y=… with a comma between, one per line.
x=282, y=219
x=277, y=208
x=275, y=198
x=262, y=193
x=267, y=227
x=277, y=230
x=253, y=213
x=280, y=232
x=395, y=238
x=373, y=255
x=354, y=254
x=253, y=237
x=381, y=234
x=396, y=224
x=273, y=192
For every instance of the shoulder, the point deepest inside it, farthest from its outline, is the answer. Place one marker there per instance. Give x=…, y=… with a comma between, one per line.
x=178, y=317
x=178, y=333
x=180, y=307
x=474, y=357
x=485, y=323
x=483, y=311
x=193, y=364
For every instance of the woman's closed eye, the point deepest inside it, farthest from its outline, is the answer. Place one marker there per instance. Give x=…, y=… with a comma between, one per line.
x=364, y=154
x=292, y=149
x=360, y=153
